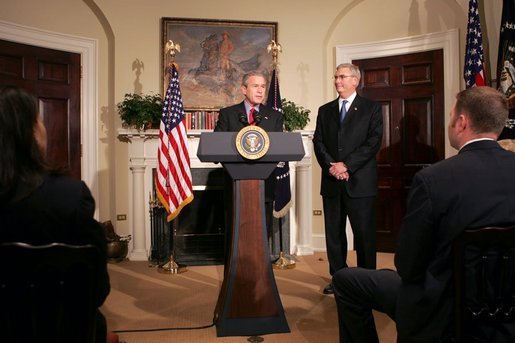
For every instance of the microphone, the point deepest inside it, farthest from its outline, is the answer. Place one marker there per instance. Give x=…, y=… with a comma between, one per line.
x=243, y=119
x=257, y=117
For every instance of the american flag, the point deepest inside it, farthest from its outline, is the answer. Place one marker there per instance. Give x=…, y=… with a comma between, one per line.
x=173, y=178
x=473, y=72
x=282, y=193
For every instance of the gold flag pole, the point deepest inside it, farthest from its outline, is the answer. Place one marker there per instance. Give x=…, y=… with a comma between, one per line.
x=282, y=262
x=172, y=267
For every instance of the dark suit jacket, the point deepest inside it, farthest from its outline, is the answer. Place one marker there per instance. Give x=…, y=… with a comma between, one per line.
x=229, y=118
x=355, y=142
x=271, y=120
x=473, y=189
x=60, y=210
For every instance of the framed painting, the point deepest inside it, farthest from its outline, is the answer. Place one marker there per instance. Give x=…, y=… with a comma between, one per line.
x=213, y=57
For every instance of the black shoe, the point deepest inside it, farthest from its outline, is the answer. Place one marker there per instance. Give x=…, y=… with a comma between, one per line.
x=329, y=289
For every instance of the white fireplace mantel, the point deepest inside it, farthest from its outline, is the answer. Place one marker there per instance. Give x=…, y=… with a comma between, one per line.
x=143, y=158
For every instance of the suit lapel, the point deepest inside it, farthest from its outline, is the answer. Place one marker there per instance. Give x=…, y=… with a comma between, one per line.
x=239, y=111
x=335, y=111
x=265, y=113
x=353, y=108
x=242, y=109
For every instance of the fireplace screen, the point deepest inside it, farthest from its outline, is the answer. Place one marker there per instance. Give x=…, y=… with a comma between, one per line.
x=196, y=235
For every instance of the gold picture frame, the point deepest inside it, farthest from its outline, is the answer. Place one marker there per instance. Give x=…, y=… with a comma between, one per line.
x=214, y=55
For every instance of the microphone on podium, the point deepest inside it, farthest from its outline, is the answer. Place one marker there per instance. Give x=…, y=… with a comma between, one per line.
x=257, y=118
x=243, y=119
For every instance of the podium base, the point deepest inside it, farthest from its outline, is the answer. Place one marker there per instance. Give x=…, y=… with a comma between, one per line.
x=251, y=326
x=248, y=302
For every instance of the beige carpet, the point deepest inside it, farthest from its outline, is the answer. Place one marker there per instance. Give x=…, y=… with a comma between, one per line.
x=141, y=298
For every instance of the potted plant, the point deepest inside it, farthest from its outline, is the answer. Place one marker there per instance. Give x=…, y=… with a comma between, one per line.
x=295, y=117
x=141, y=111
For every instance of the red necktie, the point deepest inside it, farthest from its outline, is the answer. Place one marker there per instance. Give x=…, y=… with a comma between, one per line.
x=251, y=116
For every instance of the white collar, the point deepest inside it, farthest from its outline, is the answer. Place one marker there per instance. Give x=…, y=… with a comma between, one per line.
x=350, y=99
x=476, y=140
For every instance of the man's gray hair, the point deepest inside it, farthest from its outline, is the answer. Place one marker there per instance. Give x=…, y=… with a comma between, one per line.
x=354, y=69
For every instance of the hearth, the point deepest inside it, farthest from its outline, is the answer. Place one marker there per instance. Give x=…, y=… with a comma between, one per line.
x=198, y=230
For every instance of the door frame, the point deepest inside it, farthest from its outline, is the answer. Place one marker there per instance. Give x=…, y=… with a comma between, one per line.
x=87, y=48
x=447, y=41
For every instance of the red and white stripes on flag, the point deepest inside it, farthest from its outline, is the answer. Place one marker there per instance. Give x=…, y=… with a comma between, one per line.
x=173, y=178
x=474, y=73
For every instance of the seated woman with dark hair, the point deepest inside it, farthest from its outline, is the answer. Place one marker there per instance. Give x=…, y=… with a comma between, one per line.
x=38, y=204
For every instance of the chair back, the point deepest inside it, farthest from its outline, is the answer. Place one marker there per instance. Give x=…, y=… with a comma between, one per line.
x=47, y=292
x=484, y=278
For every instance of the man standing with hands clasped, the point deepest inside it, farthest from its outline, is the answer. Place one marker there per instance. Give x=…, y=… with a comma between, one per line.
x=347, y=138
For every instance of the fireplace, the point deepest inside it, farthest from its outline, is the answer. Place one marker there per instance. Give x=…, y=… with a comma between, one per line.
x=199, y=229
x=142, y=156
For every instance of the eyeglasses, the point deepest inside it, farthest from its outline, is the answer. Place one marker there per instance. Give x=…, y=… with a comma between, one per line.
x=341, y=77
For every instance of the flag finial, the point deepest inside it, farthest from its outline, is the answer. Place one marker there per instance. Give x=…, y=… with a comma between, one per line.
x=275, y=49
x=172, y=48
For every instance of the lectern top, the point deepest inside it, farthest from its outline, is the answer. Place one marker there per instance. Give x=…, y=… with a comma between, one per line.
x=221, y=147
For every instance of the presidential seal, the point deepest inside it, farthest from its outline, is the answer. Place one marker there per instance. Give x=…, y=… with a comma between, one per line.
x=252, y=142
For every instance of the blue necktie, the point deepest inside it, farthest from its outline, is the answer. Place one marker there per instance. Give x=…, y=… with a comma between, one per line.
x=343, y=111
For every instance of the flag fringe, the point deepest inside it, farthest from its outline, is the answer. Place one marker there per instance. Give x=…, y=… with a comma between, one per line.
x=284, y=211
x=175, y=213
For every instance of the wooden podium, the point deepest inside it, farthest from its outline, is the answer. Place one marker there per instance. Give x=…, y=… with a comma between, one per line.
x=249, y=303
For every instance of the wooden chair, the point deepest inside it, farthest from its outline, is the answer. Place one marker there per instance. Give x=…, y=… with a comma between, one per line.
x=47, y=293
x=484, y=278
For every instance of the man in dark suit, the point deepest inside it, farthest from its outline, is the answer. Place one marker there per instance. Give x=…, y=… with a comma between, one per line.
x=473, y=189
x=251, y=112
x=347, y=138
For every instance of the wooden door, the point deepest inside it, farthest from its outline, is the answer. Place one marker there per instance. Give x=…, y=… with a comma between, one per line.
x=54, y=78
x=410, y=91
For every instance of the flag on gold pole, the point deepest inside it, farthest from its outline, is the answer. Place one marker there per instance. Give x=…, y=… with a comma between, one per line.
x=282, y=193
x=173, y=178
x=473, y=72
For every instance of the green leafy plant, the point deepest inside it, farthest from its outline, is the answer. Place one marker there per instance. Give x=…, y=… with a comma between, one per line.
x=141, y=111
x=295, y=117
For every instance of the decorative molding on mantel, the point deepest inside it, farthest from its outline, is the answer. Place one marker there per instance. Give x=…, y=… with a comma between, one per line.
x=142, y=158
